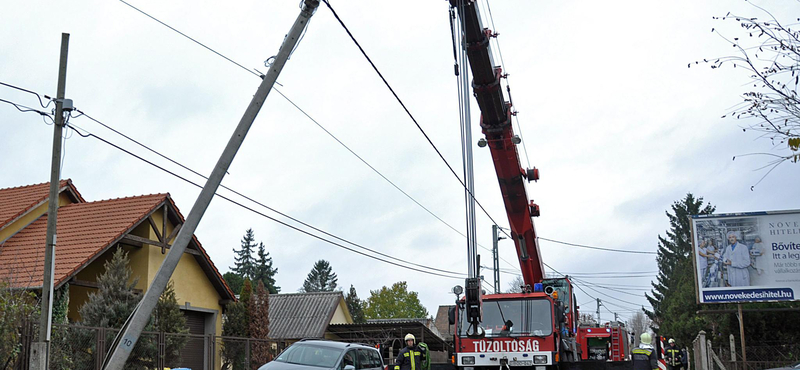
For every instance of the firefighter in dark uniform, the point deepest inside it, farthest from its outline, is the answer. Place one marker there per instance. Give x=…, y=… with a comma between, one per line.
x=645, y=357
x=410, y=357
x=672, y=355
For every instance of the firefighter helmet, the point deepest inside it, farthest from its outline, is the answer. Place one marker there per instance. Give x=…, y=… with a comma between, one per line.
x=645, y=338
x=410, y=336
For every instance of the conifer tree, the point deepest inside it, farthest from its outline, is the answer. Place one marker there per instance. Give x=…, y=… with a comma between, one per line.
x=244, y=263
x=320, y=279
x=673, y=298
x=236, y=324
x=263, y=270
x=111, y=305
x=234, y=282
x=355, y=306
x=259, y=324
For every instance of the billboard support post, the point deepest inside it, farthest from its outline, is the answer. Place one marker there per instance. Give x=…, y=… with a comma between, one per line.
x=741, y=334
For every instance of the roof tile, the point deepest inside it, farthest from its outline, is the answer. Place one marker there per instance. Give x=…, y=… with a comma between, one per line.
x=84, y=229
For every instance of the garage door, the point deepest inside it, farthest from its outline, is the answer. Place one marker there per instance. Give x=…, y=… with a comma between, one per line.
x=192, y=356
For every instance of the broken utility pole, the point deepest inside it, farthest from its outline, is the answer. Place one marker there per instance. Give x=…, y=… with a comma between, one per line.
x=142, y=314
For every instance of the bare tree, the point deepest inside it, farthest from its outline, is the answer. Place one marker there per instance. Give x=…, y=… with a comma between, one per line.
x=769, y=51
x=639, y=323
x=515, y=286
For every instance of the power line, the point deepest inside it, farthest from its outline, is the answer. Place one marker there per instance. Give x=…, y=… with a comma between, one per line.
x=89, y=134
x=25, y=109
x=249, y=198
x=49, y=99
x=187, y=36
x=313, y=120
x=400, y=101
x=597, y=248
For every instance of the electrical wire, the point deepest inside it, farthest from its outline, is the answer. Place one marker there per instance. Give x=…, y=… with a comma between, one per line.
x=25, y=109
x=49, y=100
x=408, y=112
x=596, y=248
x=307, y=115
x=89, y=134
x=188, y=37
x=250, y=198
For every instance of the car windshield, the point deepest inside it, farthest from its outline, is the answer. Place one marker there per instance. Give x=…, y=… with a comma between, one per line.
x=529, y=317
x=306, y=354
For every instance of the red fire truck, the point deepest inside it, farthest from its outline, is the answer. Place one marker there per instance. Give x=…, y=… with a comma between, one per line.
x=538, y=327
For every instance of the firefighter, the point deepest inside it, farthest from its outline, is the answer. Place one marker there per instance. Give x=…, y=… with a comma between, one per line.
x=644, y=357
x=672, y=355
x=411, y=357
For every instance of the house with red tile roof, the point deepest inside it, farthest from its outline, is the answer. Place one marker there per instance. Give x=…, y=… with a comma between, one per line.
x=88, y=233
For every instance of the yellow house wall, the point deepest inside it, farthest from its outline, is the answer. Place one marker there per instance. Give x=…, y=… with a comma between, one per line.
x=190, y=281
x=341, y=315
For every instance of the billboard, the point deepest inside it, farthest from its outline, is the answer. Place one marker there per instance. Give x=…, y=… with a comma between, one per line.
x=747, y=257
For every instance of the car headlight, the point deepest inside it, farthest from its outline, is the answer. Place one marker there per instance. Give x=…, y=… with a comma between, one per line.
x=540, y=359
x=468, y=360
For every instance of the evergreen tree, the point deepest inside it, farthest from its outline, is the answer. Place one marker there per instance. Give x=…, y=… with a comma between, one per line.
x=320, y=279
x=115, y=298
x=355, y=306
x=673, y=295
x=236, y=324
x=394, y=303
x=111, y=305
x=264, y=272
x=259, y=324
x=244, y=264
x=170, y=319
x=234, y=282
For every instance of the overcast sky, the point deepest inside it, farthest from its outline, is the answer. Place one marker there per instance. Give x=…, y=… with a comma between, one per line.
x=617, y=124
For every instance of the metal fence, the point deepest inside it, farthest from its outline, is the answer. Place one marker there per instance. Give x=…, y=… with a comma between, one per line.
x=74, y=347
x=727, y=356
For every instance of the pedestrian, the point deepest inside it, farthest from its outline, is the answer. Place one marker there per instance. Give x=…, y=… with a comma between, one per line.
x=644, y=357
x=411, y=357
x=672, y=355
x=684, y=359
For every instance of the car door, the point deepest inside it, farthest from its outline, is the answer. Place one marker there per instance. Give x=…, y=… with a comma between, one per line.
x=366, y=360
x=349, y=358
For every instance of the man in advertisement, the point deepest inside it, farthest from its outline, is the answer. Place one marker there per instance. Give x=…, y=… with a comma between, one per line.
x=737, y=258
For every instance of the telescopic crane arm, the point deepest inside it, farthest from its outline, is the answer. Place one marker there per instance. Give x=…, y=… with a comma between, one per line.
x=496, y=124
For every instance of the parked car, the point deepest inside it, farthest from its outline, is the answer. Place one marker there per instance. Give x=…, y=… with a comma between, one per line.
x=325, y=354
x=795, y=366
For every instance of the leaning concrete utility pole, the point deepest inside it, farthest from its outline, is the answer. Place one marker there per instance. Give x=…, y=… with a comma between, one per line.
x=40, y=351
x=141, y=316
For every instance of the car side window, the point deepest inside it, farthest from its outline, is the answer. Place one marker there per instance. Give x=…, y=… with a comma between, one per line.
x=364, y=361
x=377, y=361
x=348, y=359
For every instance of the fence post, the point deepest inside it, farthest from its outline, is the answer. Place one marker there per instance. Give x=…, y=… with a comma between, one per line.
x=247, y=353
x=701, y=352
x=733, y=351
x=100, y=347
x=211, y=351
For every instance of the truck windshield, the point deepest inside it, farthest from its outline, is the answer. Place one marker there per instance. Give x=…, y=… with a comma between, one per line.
x=529, y=317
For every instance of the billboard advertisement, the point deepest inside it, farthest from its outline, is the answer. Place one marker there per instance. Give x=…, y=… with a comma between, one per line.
x=747, y=257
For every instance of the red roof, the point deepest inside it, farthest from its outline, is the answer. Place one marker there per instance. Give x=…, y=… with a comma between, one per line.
x=84, y=231
x=15, y=202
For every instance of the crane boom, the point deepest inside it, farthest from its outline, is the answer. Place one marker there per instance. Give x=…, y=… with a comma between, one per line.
x=496, y=124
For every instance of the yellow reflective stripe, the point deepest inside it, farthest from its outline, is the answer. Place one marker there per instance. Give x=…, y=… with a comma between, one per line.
x=412, y=360
x=405, y=354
